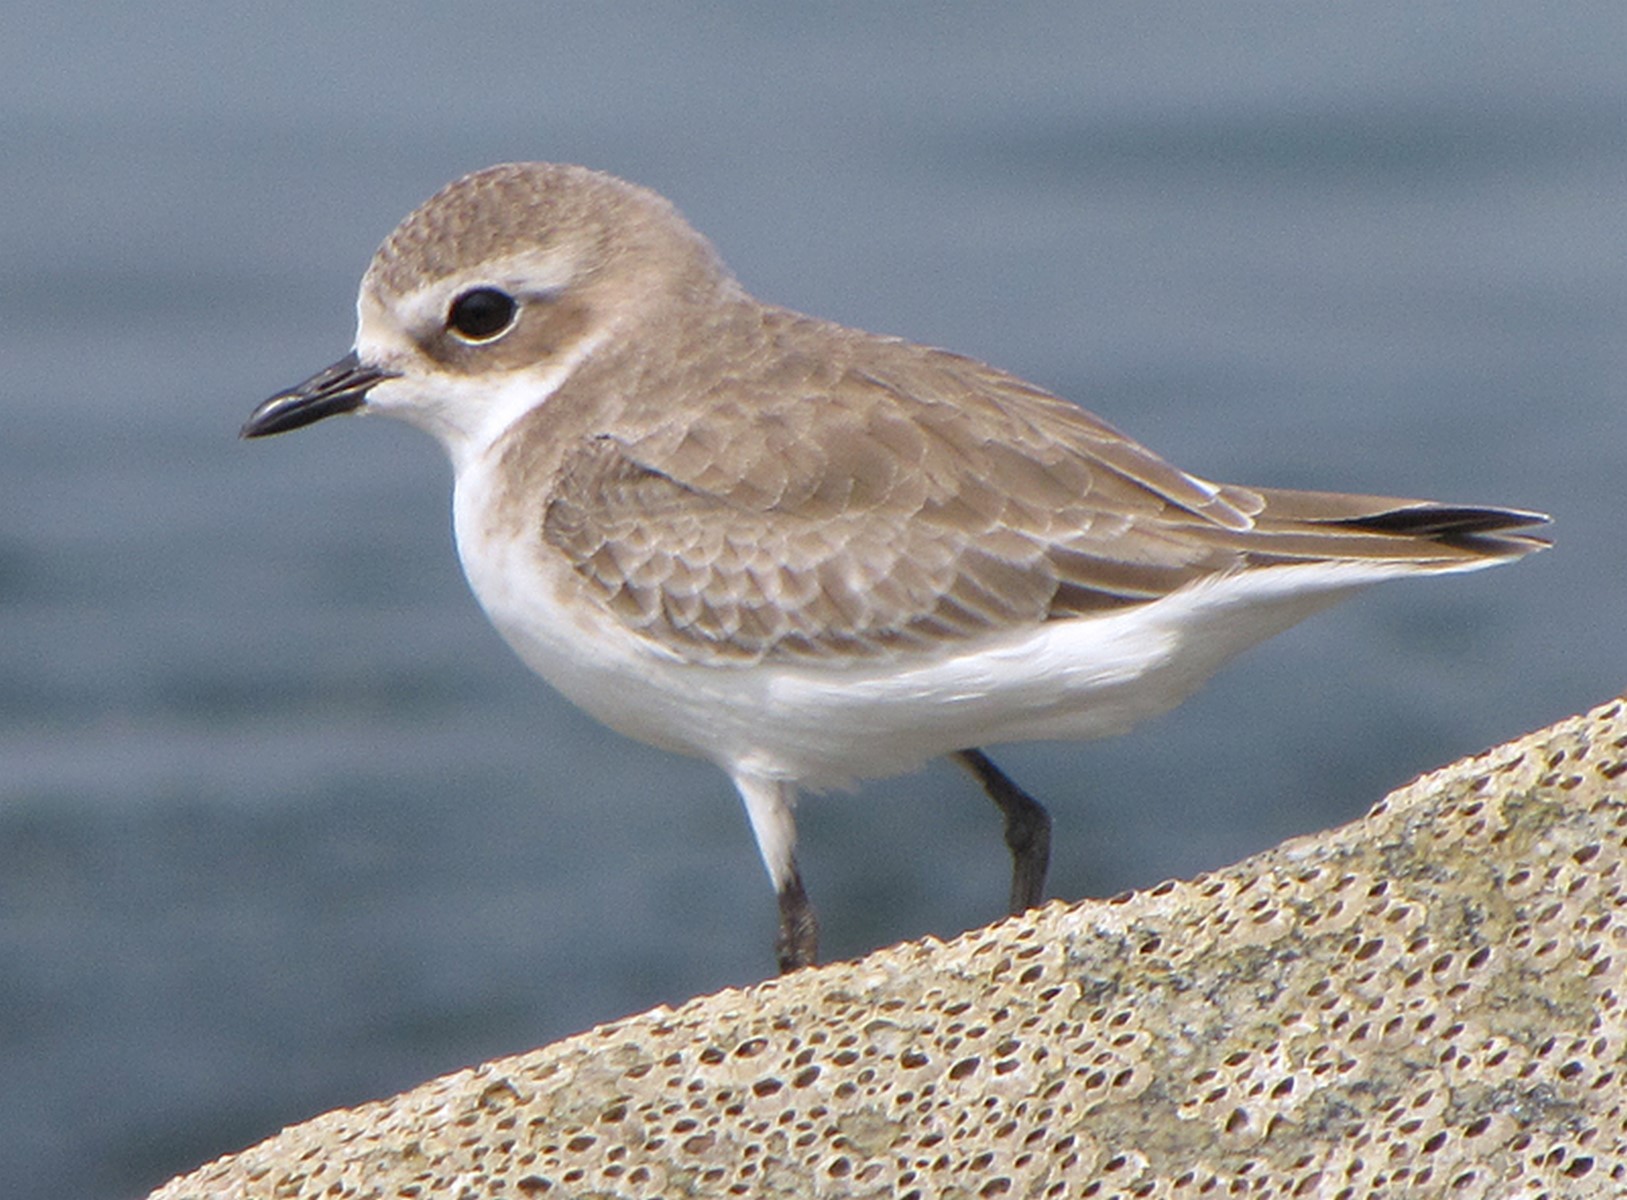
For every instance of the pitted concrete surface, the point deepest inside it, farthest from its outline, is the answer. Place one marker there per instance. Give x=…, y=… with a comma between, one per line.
x=1426, y=1002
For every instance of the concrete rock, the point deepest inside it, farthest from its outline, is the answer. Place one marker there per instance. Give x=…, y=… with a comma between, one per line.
x=1425, y=1002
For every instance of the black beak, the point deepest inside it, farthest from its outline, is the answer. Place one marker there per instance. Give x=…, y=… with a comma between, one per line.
x=340, y=388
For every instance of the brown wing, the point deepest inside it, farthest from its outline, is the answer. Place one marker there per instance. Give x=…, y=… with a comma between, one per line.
x=903, y=502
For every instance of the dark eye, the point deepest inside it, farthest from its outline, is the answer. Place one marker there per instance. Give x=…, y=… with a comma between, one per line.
x=480, y=314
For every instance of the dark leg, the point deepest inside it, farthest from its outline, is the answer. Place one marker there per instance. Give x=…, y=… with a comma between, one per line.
x=770, y=804
x=798, y=942
x=1028, y=829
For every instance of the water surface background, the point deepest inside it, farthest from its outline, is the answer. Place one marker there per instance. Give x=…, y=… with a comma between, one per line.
x=284, y=826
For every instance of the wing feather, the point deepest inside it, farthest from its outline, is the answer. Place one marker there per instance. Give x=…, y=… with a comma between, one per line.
x=836, y=511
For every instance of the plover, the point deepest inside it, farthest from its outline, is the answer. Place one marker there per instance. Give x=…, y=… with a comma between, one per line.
x=804, y=552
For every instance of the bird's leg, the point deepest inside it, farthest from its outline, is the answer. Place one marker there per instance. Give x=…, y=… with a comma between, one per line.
x=798, y=942
x=769, y=804
x=1028, y=829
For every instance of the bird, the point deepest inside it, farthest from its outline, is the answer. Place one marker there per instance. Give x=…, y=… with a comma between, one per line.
x=807, y=553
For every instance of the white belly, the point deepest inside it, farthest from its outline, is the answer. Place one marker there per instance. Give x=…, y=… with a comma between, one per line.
x=825, y=725
x=818, y=725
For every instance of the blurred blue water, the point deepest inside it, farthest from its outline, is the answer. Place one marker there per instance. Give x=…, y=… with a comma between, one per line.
x=282, y=824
